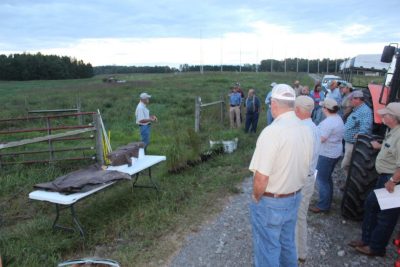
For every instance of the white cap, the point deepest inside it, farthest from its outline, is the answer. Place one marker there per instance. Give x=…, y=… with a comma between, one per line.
x=273, y=84
x=144, y=96
x=283, y=92
x=305, y=102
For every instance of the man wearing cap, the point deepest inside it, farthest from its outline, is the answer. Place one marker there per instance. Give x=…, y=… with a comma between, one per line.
x=270, y=119
x=378, y=225
x=304, y=106
x=346, y=107
x=334, y=92
x=297, y=87
x=143, y=118
x=235, y=99
x=358, y=122
x=252, y=105
x=280, y=165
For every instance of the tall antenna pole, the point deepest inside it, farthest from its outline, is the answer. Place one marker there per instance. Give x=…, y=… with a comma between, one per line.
x=201, y=52
x=222, y=54
x=327, y=65
x=240, y=58
x=257, y=59
x=272, y=55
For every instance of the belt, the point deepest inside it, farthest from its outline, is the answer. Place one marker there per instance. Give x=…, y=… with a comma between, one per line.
x=234, y=105
x=144, y=124
x=268, y=194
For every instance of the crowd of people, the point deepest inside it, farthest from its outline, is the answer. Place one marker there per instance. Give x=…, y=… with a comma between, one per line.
x=307, y=133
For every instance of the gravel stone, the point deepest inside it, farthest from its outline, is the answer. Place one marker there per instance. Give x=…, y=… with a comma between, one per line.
x=226, y=239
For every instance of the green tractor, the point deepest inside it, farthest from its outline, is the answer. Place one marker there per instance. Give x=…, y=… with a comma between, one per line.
x=362, y=175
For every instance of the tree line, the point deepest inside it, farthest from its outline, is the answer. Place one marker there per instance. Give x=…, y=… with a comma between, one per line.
x=113, y=69
x=23, y=67
x=272, y=65
x=27, y=66
x=289, y=65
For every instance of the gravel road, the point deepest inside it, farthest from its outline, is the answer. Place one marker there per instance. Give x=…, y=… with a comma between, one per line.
x=226, y=239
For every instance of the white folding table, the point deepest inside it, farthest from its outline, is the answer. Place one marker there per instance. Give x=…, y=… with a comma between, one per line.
x=63, y=201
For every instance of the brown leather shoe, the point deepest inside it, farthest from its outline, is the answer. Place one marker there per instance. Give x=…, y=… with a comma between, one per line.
x=356, y=243
x=301, y=260
x=367, y=251
x=317, y=210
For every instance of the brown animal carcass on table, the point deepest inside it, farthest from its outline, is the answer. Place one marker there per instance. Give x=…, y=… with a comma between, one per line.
x=124, y=154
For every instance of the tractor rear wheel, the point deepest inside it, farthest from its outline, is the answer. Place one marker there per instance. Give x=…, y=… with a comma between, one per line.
x=361, y=179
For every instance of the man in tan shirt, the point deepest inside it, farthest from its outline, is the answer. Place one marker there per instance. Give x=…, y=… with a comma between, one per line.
x=280, y=165
x=378, y=225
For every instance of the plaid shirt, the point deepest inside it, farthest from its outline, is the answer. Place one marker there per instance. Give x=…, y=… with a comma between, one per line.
x=358, y=122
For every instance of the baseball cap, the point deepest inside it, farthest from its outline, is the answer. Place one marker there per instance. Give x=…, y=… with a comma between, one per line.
x=349, y=85
x=357, y=94
x=273, y=84
x=283, y=92
x=392, y=108
x=329, y=103
x=144, y=96
x=305, y=102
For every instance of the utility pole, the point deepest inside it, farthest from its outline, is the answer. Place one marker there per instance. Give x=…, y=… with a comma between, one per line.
x=221, y=55
x=285, y=64
x=327, y=65
x=336, y=66
x=240, y=59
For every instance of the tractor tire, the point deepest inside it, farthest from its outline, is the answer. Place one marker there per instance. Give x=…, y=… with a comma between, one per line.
x=361, y=179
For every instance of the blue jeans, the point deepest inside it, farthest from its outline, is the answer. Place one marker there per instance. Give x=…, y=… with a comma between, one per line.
x=378, y=225
x=251, y=122
x=325, y=168
x=273, y=223
x=317, y=115
x=145, y=134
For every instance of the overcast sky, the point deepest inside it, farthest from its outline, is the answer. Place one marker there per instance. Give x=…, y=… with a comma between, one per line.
x=173, y=32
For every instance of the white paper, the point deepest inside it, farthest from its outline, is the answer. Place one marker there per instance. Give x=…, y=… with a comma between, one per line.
x=388, y=200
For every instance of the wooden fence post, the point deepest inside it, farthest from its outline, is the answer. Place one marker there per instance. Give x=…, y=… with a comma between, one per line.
x=222, y=109
x=197, y=114
x=50, y=142
x=99, y=139
x=79, y=108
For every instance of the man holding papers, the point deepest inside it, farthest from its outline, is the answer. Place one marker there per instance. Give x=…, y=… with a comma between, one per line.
x=378, y=225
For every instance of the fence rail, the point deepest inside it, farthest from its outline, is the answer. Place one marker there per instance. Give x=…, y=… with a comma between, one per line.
x=199, y=105
x=73, y=132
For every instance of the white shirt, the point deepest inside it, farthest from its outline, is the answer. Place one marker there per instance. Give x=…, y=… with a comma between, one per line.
x=317, y=144
x=284, y=152
x=142, y=113
x=332, y=128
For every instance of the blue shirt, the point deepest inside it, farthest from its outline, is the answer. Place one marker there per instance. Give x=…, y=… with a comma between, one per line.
x=316, y=98
x=332, y=129
x=235, y=98
x=268, y=98
x=358, y=122
x=335, y=94
x=252, y=104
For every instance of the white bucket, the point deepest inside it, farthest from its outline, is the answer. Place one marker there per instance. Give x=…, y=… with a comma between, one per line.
x=229, y=146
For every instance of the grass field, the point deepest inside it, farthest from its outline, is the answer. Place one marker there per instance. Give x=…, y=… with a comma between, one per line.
x=135, y=228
